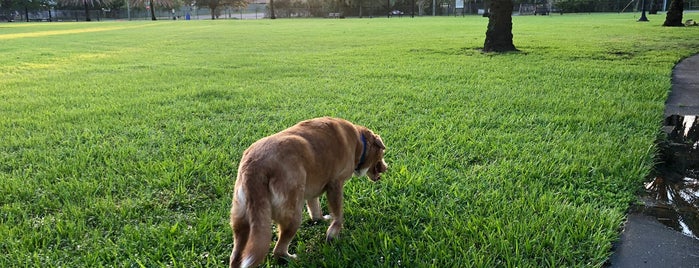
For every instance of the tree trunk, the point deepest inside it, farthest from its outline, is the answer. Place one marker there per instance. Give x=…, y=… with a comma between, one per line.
x=152, y=11
x=360, y=9
x=498, y=37
x=271, y=9
x=87, y=11
x=674, y=13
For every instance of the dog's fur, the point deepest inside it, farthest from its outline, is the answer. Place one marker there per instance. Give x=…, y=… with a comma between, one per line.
x=278, y=173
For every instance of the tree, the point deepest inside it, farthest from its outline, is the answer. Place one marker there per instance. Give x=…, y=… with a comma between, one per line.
x=574, y=6
x=6, y=7
x=212, y=5
x=674, y=13
x=33, y=5
x=498, y=37
x=117, y=7
x=152, y=3
x=239, y=5
x=83, y=3
x=421, y=5
x=654, y=6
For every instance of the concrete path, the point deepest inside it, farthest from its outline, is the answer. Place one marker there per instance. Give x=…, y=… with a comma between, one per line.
x=684, y=96
x=645, y=242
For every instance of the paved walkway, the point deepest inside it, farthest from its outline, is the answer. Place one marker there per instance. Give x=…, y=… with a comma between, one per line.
x=645, y=242
x=684, y=96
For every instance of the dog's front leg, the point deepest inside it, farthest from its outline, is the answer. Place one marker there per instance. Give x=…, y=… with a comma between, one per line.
x=335, y=204
x=314, y=210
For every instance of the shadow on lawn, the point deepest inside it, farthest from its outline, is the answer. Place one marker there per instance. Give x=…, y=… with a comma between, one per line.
x=672, y=196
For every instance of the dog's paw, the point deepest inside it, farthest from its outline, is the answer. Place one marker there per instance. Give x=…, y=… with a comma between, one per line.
x=332, y=234
x=317, y=221
x=330, y=239
x=323, y=218
x=285, y=258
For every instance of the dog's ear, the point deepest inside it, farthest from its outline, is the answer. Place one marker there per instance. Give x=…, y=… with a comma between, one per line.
x=378, y=142
x=372, y=139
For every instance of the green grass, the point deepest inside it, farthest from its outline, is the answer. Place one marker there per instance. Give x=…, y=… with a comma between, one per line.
x=120, y=140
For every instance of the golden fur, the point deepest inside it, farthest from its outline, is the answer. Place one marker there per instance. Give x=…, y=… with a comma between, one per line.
x=279, y=172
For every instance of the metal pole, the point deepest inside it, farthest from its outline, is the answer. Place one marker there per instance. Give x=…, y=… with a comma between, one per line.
x=412, y=13
x=388, y=5
x=128, y=9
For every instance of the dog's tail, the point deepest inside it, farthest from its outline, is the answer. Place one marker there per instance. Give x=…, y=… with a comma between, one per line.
x=251, y=223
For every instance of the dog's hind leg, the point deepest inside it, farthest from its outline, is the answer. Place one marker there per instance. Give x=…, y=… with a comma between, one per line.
x=287, y=212
x=335, y=196
x=314, y=210
x=287, y=231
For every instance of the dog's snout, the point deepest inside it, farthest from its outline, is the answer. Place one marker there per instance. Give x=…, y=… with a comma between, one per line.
x=381, y=166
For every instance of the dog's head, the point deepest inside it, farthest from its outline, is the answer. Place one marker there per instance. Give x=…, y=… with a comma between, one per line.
x=373, y=164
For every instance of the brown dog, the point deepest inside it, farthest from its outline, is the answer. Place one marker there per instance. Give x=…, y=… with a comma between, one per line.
x=278, y=173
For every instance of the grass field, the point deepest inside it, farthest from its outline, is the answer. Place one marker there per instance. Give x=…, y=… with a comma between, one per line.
x=120, y=140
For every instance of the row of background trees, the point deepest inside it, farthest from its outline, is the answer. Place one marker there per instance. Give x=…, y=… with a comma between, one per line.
x=95, y=9
x=499, y=12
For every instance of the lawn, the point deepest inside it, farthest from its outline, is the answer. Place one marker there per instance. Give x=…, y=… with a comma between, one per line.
x=120, y=140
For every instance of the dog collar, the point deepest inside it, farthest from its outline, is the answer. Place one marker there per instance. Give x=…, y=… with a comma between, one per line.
x=361, y=158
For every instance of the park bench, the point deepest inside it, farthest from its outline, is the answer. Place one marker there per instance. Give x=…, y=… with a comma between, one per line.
x=333, y=15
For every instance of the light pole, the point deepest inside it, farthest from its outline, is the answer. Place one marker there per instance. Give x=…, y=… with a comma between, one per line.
x=128, y=9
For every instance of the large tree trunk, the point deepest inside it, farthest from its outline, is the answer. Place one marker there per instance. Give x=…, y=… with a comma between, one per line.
x=674, y=13
x=498, y=37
